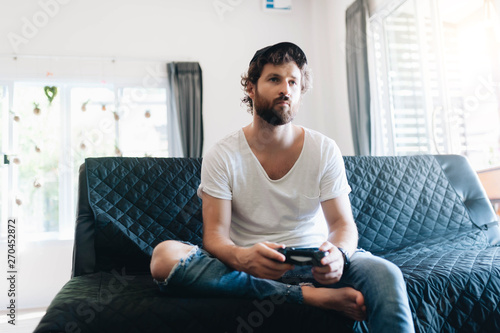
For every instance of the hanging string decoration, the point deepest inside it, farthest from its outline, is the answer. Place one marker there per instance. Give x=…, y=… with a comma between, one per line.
x=50, y=92
x=36, y=109
x=84, y=105
x=15, y=116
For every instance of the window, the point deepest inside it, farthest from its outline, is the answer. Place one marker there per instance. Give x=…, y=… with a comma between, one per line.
x=434, y=92
x=48, y=129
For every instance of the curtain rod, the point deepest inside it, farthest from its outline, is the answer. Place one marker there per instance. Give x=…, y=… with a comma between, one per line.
x=110, y=59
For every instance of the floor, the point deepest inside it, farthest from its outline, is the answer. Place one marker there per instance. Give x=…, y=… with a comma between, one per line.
x=26, y=320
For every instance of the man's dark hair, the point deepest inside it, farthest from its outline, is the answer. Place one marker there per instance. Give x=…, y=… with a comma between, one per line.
x=277, y=54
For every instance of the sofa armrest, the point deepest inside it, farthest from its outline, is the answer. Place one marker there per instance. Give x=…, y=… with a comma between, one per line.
x=467, y=185
x=83, y=250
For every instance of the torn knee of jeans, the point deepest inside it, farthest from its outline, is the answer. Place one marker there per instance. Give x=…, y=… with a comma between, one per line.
x=182, y=262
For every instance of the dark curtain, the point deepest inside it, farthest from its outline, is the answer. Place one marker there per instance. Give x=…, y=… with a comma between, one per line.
x=357, y=77
x=185, y=98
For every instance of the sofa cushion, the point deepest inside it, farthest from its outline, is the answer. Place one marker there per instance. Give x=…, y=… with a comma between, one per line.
x=139, y=202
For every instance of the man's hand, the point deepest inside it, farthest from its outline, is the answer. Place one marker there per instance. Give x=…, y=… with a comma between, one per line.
x=263, y=261
x=333, y=265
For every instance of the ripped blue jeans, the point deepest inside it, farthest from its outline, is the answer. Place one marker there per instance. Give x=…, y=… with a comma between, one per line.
x=380, y=282
x=202, y=274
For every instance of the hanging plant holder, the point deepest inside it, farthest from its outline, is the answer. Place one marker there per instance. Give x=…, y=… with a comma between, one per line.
x=50, y=92
x=36, y=109
x=37, y=184
x=15, y=116
x=84, y=105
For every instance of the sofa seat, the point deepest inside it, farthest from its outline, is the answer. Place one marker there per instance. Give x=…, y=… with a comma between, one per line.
x=122, y=302
x=452, y=287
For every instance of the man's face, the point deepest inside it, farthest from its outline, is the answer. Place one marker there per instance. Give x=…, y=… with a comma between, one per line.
x=277, y=94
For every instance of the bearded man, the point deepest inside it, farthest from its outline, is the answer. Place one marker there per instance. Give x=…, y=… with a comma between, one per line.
x=271, y=185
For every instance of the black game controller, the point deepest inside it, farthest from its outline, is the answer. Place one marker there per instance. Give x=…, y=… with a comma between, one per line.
x=303, y=256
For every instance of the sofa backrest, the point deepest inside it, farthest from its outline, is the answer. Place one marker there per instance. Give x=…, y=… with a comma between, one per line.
x=128, y=205
x=399, y=201
x=132, y=204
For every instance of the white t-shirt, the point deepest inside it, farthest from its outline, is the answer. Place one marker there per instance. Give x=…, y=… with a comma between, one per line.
x=286, y=210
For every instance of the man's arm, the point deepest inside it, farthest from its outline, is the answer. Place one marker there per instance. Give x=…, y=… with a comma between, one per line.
x=343, y=233
x=260, y=260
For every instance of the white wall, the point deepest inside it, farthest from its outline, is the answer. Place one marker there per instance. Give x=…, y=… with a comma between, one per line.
x=331, y=104
x=189, y=30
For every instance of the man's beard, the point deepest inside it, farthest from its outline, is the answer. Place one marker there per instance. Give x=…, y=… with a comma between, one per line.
x=273, y=114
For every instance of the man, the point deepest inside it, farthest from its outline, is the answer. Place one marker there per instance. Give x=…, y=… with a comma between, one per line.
x=274, y=184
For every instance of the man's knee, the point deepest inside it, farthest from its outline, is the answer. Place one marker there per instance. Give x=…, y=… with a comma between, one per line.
x=384, y=269
x=380, y=272
x=165, y=256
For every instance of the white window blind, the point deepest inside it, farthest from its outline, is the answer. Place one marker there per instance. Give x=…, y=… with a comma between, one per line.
x=423, y=82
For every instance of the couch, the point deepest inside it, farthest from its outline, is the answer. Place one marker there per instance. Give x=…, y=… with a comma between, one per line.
x=427, y=214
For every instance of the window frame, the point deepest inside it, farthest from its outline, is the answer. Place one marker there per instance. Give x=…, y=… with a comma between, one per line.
x=67, y=186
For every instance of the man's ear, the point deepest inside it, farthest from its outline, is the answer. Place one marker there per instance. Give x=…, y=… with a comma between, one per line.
x=251, y=90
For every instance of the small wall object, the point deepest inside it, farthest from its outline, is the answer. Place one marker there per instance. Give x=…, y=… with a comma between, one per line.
x=277, y=5
x=147, y=114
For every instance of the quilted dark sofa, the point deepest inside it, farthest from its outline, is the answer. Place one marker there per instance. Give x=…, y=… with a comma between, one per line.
x=427, y=214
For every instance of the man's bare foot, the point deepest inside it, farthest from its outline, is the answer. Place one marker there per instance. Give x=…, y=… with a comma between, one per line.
x=346, y=300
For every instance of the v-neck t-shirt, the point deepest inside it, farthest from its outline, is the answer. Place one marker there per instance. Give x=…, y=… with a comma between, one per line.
x=285, y=210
